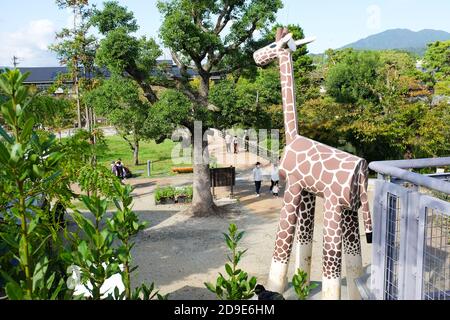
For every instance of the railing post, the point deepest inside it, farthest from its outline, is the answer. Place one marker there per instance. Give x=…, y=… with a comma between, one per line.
x=410, y=243
x=149, y=164
x=378, y=216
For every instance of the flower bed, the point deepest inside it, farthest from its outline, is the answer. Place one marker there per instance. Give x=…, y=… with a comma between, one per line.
x=172, y=195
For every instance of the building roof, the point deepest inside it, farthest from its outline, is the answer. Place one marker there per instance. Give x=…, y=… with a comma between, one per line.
x=47, y=75
x=43, y=74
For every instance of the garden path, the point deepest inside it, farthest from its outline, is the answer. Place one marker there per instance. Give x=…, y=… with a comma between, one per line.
x=179, y=253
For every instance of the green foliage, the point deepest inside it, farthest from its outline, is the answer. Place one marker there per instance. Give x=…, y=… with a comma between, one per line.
x=125, y=224
x=121, y=101
x=94, y=253
x=237, y=286
x=38, y=252
x=353, y=79
x=122, y=52
x=185, y=192
x=113, y=16
x=29, y=173
x=437, y=59
x=97, y=180
x=171, y=110
x=162, y=193
x=51, y=112
x=301, y=286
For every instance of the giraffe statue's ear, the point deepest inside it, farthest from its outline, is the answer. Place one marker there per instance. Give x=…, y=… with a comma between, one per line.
x=279, y=34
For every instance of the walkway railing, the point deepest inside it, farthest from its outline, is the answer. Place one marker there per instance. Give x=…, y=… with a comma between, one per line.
x=255, y=148
x=411, y=240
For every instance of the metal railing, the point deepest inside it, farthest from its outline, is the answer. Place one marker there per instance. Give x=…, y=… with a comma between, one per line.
x=411, y=240
x=255, y=148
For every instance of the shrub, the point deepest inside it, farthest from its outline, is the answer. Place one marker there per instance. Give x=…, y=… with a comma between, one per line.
x=237, y=286
x=186, y=192
x=301, y=286
x=162, y=193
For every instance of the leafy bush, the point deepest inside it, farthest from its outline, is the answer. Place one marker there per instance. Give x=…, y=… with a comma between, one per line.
x=186, y=192
x=162, y=193
x=301, y=286
x=38, y=253
x=237, y=286
x=29, y=173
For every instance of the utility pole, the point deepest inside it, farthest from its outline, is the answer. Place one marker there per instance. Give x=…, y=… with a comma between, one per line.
x=15, y=61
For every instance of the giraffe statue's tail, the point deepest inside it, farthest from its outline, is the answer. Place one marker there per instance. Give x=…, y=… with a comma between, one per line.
x=363, y=186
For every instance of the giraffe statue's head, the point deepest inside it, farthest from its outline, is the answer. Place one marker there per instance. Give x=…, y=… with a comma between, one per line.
x=284, y=42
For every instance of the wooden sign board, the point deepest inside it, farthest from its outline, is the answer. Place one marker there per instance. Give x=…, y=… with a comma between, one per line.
x=223, y=177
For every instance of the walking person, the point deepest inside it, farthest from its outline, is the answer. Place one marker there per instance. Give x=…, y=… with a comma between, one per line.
x=257, y=178
x=228, y=141
x=247, y=141
x=274, y=176
x=235, y=143
x=275, y=190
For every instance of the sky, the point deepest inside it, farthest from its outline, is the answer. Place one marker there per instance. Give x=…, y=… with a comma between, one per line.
x=28, y=27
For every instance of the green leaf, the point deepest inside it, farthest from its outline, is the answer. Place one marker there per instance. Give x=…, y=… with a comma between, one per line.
x=210, y=287
x=4, y=154
x=6, y=136
x=14, y=291
x=229, y=270
x=27, y=128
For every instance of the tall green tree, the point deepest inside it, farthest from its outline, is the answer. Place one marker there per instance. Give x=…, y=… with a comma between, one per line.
x=53, y=113
x=214, y=38
x=76, y=48
x=437, y=59
x=122, y=102
x=122, y=52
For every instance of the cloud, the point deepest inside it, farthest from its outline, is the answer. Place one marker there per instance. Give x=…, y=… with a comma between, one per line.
x=29, y=44
x=374, y=17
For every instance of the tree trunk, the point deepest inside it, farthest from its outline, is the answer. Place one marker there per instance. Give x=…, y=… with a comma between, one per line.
x=77, y=93
x=136, y=152
x=202, y=202
x=88, y=119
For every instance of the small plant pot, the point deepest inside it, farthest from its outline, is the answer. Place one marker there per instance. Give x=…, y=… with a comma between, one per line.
x=165, y=201
x=183, y=199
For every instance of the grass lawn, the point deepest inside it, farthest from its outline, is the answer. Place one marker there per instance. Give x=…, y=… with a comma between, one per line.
x=160, y=156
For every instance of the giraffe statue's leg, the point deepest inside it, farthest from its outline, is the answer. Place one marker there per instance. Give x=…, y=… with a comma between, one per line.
x=332, y=250
x=285, y=237
x=352, y=252
x=305, y=232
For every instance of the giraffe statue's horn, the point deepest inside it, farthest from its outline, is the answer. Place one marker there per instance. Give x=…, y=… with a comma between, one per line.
x=304, y=41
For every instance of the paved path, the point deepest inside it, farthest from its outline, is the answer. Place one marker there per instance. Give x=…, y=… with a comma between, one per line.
x=180, y=253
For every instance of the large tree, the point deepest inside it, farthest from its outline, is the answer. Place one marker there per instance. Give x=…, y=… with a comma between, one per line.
x=122, y=52
x=214, y=38
x=121, y=101
x=75, y=48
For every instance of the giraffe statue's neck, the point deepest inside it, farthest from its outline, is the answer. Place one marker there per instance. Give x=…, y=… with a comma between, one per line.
x=288, y=93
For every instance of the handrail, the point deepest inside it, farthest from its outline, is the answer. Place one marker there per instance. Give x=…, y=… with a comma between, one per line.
x=397, y=169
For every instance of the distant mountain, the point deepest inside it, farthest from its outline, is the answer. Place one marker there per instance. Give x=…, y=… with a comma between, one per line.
x=400, y=39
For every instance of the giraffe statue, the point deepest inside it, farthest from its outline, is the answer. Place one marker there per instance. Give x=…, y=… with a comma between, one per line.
x=313, y=169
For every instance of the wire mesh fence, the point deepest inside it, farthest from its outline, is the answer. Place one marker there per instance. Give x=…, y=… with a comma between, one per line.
x=411, y=248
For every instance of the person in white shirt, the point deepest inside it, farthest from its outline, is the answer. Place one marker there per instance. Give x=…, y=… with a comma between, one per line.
x=257, y=177
x=228, y=142
x=275, y=176
x=275, y=190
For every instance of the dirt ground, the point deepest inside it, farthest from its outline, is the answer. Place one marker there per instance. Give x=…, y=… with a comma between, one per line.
x=179, y=253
